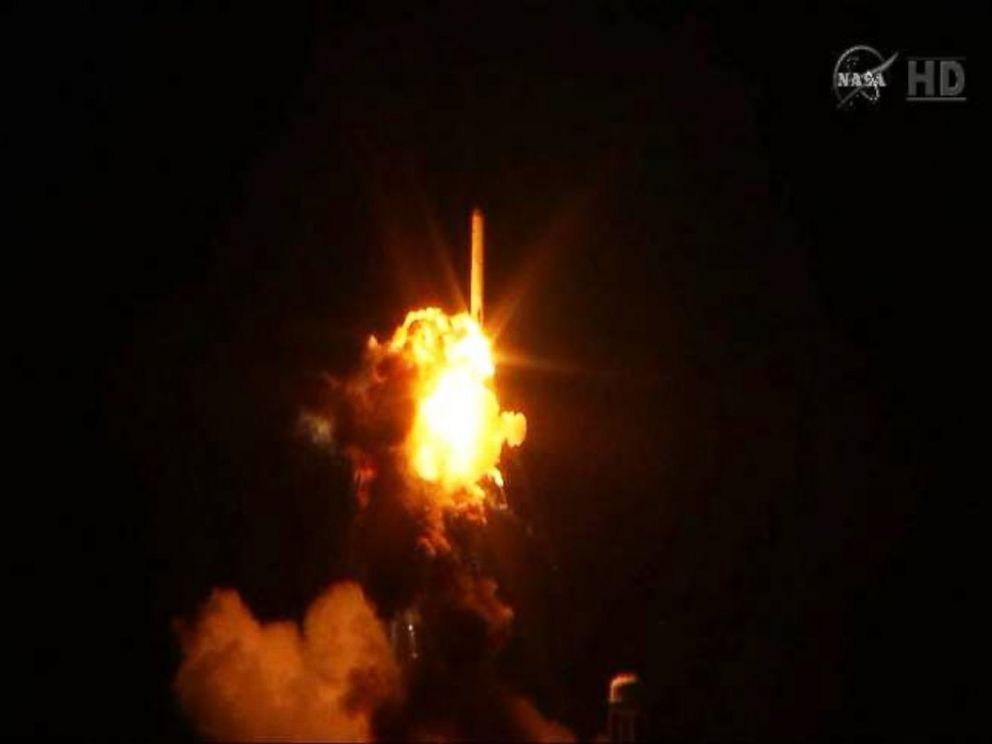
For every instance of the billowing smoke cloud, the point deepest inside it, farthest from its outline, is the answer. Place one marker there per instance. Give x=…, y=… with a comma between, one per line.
x=243, y=680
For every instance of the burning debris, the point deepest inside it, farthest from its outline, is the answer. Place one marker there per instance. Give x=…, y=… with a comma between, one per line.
x=408, y=652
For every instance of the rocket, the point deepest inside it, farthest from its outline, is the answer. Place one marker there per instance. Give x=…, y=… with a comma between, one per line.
x=478, y=257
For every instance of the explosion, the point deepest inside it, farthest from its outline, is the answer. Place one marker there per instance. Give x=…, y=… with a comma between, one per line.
x=421, y=424
x=422, y=427
x=459, y=430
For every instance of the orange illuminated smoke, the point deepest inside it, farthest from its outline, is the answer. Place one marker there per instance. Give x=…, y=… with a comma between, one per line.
x=458, y=430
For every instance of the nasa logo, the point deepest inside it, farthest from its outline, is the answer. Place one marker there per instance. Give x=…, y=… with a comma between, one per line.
x=859, y=76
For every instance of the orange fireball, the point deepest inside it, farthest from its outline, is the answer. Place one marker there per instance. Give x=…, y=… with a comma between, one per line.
x=458, y=430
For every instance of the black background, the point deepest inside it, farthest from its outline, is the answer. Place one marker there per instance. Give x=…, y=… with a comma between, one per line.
x=752, y=322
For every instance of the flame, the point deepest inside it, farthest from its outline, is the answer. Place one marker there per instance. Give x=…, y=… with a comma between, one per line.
x=458, y=430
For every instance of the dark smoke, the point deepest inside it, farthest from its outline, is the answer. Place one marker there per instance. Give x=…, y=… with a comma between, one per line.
x=408, y=552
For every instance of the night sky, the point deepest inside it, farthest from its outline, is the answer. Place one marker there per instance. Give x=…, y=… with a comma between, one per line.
x=750, y=320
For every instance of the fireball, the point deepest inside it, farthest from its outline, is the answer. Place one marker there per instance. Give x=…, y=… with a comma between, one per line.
x=458, y=430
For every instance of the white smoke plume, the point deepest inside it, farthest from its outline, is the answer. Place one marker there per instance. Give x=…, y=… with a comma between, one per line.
x=246, y=680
